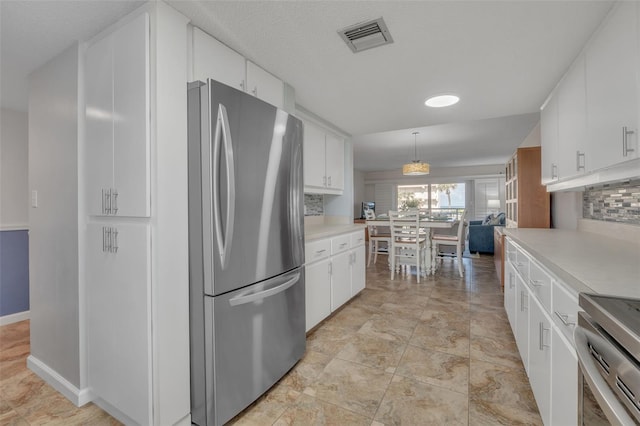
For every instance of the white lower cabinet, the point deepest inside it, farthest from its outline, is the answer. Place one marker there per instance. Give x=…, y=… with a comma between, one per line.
x=540, y=358
x=543, y=329
x=334, y=273
x=521, y=332
x=318, y=292
x=358, y=269
x=119, y=317
x=564, y=386
x=340, y=279
x=510, y=297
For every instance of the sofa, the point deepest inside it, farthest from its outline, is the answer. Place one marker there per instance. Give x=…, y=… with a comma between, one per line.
x=481, y=233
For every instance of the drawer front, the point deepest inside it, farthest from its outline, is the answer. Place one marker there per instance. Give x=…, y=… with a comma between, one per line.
x=565, y=310
x=340, y=243
x=357, y=238
x=317, y=250
x=540, y=283
x=522, y=264
x=510, y=251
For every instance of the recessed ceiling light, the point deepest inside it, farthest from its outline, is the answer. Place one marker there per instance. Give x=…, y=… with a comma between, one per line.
x=442, y=101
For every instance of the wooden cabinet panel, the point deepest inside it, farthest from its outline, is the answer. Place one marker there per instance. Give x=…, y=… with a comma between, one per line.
x=528, y=202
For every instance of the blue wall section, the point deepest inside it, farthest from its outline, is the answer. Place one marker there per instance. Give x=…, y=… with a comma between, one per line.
x=14, y=272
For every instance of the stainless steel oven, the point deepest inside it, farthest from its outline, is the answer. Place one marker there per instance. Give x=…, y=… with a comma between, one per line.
x=608, y=347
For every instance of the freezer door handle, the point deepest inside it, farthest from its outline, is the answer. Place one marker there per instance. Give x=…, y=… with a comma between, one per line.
x=242, y=299
x=223, y=137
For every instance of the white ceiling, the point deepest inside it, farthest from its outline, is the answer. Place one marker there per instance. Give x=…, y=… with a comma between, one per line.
x=502, y=58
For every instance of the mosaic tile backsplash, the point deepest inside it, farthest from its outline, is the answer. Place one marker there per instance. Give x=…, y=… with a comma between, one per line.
x=313, y=205
x=617, y=202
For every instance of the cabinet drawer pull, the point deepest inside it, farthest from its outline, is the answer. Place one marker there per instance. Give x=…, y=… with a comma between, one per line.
x=343, y=245
x=565, y=319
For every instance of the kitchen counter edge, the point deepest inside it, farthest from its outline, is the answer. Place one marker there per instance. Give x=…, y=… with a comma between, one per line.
x=317, y=232
x=584, y=261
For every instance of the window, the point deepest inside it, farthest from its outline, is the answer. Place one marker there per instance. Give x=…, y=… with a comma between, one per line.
x=442, y=199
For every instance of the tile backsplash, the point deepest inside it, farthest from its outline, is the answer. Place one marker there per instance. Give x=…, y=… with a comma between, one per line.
x=616, y=202
x=313, y=205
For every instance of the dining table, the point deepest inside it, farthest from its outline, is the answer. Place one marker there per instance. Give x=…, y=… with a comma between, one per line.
x=428, y=224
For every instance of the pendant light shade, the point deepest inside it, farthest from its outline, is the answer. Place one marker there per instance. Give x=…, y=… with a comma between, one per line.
x=416, y=167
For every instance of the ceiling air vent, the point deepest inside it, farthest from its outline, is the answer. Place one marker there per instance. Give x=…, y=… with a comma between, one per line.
x=366, y=35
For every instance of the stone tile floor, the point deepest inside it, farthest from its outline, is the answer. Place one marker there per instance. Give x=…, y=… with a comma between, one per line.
x=436, y=353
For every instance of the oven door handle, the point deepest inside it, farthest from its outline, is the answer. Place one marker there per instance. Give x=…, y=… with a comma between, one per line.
x=608, y=401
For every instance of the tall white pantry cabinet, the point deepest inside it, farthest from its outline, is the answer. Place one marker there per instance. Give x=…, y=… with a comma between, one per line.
x=136, y=270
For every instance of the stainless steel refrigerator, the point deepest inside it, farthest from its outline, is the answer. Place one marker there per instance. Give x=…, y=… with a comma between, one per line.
x=246, y=248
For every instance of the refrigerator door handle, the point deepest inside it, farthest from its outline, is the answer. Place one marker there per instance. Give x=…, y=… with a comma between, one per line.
x=242, y=299
x=223, y=134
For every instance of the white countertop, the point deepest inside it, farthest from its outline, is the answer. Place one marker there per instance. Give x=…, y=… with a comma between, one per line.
x=315, y=232
x=585, y=261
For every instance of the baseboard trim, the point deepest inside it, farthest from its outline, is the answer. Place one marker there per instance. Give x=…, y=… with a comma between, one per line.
x=113, y=411
x=17, y=317
x=79, y=397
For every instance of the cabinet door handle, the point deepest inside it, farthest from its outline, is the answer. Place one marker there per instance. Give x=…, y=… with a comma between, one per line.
x=255, y=91
x=242, y=85
x=329, y=181
x=579, y=166
x=554, y=171
x=115, y=240
x=115, y=201
x=625, y=141
x=541, y=342
x=511, y=283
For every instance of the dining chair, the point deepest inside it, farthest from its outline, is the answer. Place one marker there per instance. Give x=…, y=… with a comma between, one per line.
x=456, y=241
x=379, y=242
x=408, y=244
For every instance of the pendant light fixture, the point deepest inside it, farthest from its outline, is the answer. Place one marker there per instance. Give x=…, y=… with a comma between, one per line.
x=415, y=168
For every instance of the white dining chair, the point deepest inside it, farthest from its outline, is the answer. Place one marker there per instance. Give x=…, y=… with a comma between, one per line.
x=379, y=242
x=408, y=244
x=456, y=240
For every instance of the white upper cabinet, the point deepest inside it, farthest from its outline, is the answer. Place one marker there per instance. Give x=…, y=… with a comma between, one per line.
x=612, y=88
x=264, y=86
x=549, y=140
x=334, y=162
x=313, y=158
x=117, y=121
x=323, y=161
x=212, y=59
x=572, y=123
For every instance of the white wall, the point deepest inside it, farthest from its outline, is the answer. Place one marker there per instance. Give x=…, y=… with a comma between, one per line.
x=533, y=139
x=14, y=176
x=358, y=192
x=566, y=209
x=53, y=236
